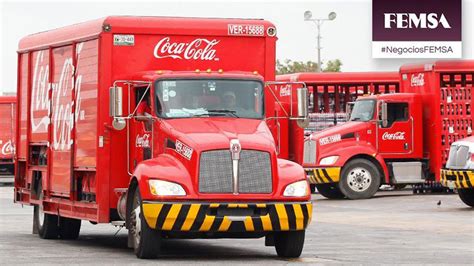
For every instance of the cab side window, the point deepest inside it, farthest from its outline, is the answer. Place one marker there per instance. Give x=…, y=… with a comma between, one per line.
x=397, y=112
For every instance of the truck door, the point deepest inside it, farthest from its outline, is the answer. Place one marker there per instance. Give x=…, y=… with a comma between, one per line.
x=397, y=136
x=141, y=124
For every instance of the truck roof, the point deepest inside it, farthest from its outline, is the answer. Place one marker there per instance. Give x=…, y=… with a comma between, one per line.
x=440, y=66
x=134, y=25
x=7, y=99
x=341, y=77
x=152, y=75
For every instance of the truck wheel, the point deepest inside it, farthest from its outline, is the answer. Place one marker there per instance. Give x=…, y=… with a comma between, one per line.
x=467, y=196
x=45, y=224
x=289, y=244
x=330, y=191
x=69, y=228
x=146, y=241
x=360, y=179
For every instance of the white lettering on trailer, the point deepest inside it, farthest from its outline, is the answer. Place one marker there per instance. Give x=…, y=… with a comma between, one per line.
x=394, y=136
x=245, y=29
x=417, y=80
x=198, y=49
x=330, y=139
x=7, y=147
x=184, y=150
x=62, y=115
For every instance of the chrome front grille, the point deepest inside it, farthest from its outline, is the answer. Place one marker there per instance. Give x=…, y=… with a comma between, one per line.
x=309, y=152
x=458, y=156
x=215, y=172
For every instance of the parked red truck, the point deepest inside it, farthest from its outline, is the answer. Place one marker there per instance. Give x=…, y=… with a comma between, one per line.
x=7, y=133
x=400, y=138
x=329, y=96
x=157, y=124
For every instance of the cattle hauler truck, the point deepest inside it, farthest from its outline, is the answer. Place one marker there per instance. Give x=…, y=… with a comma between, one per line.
x=159, y=123
x=7, y=133
x=395, y=139
x=329, y=95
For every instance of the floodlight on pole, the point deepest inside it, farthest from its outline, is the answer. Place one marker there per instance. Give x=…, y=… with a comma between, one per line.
x=308, y=16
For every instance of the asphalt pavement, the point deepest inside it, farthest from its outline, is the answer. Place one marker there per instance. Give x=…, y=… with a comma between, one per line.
x=395, y=227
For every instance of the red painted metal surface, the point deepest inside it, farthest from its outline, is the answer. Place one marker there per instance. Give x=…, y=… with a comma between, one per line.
x=80, y=158
x=7, y=129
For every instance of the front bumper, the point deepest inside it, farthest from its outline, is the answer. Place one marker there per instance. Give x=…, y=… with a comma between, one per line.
x=323, y=175
x=227, y=217
x=457, y=178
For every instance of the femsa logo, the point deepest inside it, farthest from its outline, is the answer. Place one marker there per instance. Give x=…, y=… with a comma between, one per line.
x=413, y=20
x=184, y=150
x=7, y=148
x=198, y=49
x=394, y=136
x=417, y=80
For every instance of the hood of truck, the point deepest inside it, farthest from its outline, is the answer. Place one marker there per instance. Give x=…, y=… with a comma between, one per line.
x=342, y=130
x=216, y=133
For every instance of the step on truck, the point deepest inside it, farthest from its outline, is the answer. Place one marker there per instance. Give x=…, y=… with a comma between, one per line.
x=7, y=134
x=157, y=124
x=396, y=139
x=330, y=94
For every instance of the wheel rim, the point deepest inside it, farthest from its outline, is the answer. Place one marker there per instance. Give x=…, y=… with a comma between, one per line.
x=359, y=179
x=40, y=215
x=136, y=223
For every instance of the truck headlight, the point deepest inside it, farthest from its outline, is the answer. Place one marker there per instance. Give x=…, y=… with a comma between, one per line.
x=328, y=160
x=297, y=189
x=165, y=188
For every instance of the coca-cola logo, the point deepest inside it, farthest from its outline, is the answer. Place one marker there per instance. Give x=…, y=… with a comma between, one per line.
x=198, y=49
x=143, y=141
x=7, y=148
x=394, y=136
x=285, y=90
x=418, y=80
x=62, y=114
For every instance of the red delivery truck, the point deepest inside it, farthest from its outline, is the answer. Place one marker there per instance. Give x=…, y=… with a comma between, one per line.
x=7, y=133
x=329, y=95
x=156, y=124
x=400, y=138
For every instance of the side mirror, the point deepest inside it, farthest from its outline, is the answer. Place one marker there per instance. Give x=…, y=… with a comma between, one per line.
x=115, y=101
x=383, y=112
x=302, y=101
x=115, y=107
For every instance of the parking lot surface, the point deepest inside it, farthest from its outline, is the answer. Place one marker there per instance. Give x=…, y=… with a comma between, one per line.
x=395, y=227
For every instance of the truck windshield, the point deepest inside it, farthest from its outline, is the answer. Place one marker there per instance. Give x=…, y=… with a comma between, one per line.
x=209, y=97
x=363, y=110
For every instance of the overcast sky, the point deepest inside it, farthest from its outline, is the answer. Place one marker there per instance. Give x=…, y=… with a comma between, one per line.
x=347, y=38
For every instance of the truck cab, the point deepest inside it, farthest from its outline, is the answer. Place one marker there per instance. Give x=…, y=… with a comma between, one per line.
x=459, y=171
x=202, y=162
x=378, y=145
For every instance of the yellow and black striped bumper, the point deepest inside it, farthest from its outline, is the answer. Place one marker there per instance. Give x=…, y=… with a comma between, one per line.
x=228, y=217
x=323, y=175
x=457, y=178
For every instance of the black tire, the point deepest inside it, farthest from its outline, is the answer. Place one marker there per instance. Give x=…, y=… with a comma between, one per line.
x=69, y=228
x=467, y=196
x=330, y=191
x=360, y=179
x=289, y=244
x=146, y=241
x=47, y=227
x=312, y=188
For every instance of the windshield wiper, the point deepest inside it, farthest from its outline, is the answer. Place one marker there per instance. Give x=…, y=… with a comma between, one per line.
x=223, y=111
x=356, y=119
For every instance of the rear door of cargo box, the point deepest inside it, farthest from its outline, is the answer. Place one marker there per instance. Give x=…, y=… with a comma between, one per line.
x=6, y=130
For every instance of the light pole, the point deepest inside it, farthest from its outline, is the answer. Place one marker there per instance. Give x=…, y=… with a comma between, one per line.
x=318, y=21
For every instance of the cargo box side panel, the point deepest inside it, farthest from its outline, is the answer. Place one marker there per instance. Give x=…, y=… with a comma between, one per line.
x=62, y=120
x=6, y=131
x=39, y=97
x=22, y=106
x=86, y=104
